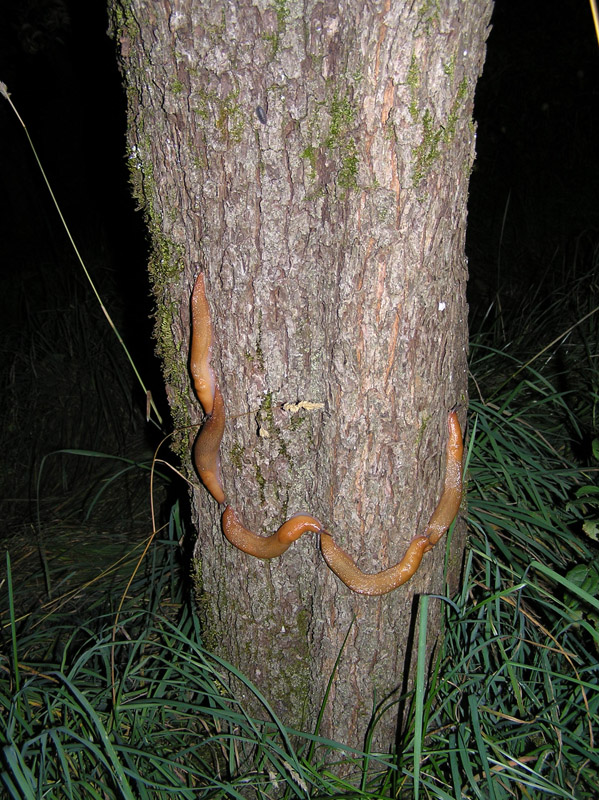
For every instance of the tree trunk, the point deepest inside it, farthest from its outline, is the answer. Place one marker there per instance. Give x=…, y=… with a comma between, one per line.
x=312, y=160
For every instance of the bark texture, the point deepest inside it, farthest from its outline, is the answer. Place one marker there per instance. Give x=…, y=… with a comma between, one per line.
x=312, y=158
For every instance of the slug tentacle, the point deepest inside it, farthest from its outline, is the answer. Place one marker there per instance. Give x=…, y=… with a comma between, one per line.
x=267, y=546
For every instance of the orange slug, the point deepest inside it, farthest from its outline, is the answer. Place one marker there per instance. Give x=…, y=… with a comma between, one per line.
x=205, y=450
x=201, y=346
x=345, y=567
x=382, y=582
x=449, y=504
x=207, y=462
x=267, y=546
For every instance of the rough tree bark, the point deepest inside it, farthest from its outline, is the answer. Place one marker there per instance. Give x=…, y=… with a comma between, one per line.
x=313, y=160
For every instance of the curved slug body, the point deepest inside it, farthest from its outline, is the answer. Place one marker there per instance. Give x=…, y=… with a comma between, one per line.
x=345, y=567
x=451, y=499
x=267, y=546
x=206, y=448
x=447, y=508
x=207, y=444
x=201, y=346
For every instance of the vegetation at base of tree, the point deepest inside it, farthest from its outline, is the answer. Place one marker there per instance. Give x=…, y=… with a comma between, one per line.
x=101, y=702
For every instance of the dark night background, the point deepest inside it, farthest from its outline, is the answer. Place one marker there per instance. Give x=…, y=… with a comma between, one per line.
x=534, y=217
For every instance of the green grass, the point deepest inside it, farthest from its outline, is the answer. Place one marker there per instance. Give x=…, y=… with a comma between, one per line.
x=141, y=709
x=511, y=708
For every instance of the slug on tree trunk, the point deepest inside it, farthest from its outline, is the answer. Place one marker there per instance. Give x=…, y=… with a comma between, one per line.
x=444, y=514
x=201, y=346
x=207, y=445
x=207, y=461
x=346, y=570
x=449, y=504
x=267, y=546
x=206, y=448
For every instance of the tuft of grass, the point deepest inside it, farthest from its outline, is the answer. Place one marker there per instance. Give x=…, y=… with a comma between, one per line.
x=143, y=710
x=509, y=709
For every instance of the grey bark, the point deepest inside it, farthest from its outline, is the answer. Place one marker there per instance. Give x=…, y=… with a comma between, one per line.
x=313, y=160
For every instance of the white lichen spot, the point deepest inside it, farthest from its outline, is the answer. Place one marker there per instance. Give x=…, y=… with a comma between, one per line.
x=305, y=405
x=177, y=20
x=135, y=157
x=331, y=25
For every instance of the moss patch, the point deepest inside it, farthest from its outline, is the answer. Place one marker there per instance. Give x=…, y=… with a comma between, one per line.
x=433, y=135
x=281, y=8
x=236, y=455
x=427, y=152
x=331, y=135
